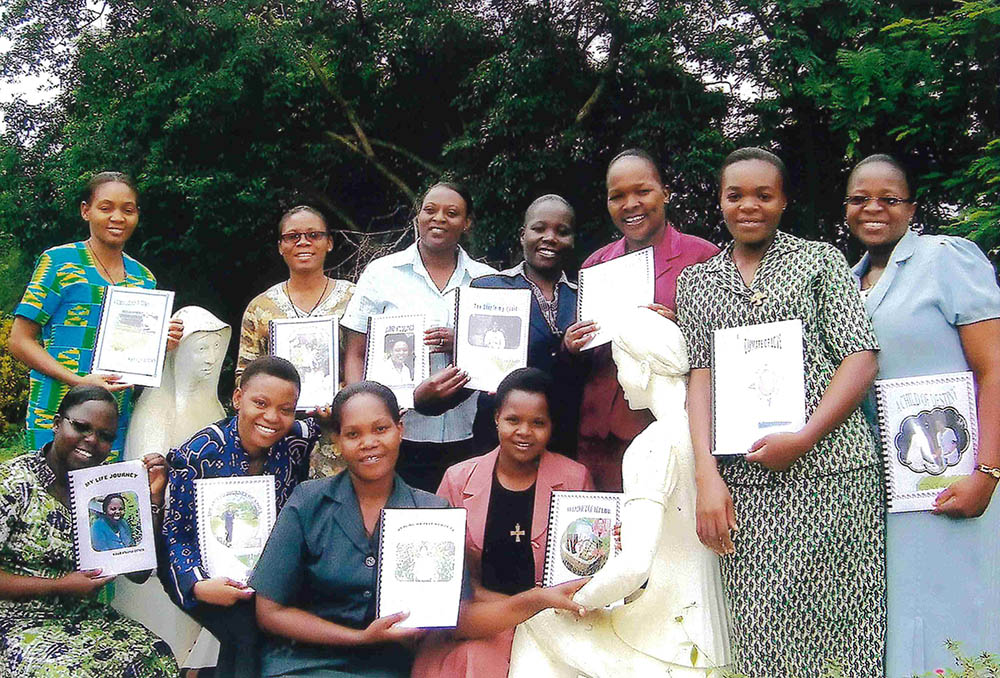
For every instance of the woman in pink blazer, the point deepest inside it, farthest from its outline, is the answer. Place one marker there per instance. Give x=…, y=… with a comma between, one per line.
x=506, y=493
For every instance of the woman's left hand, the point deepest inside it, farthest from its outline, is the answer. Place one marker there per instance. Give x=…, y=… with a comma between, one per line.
x=156, y=468
x=439, y=339
x=967, y=497
x=779, y=451
x=174, y=333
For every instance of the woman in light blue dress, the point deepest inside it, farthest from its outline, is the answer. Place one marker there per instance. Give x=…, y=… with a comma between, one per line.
x=935, y=306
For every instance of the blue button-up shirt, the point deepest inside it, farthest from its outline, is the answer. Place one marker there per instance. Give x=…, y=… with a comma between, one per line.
x=216, y=452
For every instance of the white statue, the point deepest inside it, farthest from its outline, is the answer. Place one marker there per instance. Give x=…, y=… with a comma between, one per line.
x=678, y=625
x=165, y=417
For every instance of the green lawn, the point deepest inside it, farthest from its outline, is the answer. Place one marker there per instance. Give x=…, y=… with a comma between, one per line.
x=11, y=446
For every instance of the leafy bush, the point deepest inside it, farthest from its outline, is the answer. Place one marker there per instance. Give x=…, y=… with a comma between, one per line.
x=13, y=382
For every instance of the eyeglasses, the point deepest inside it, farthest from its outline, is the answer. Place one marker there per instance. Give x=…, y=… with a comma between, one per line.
x=863, y=200
x=311, y=236
x=85, y=429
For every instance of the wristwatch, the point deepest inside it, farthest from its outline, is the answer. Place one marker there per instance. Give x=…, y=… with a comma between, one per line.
x=989, y=470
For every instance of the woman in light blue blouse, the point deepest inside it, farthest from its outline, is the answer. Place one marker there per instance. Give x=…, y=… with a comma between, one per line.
x=111, y=531
x=935, y=306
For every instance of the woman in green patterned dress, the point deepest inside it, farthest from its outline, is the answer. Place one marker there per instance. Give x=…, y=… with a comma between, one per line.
x=55, y=325
x=51, y=626
x=805, y=572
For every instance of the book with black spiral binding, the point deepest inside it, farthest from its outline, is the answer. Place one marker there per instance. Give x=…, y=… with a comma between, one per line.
x=396, y=355
x=112, y=518
x=929, y=430
x=607, y=290
x=580, y=534
x=234, y=517
x=421, y=563
x=312, y=345
x=491, y=334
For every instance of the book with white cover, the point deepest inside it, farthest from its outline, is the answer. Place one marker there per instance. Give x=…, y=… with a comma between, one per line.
x=930, y=436
x=421, y=565
x=112, y=518
x=311, y=344
x=132, y=334
x=608, y=290
x=491, y=334
x=396, y=354
x=235, y=516
x=581, y=534
x=758, y=384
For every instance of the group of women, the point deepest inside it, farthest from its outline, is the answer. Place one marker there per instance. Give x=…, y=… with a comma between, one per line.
x=813, y=569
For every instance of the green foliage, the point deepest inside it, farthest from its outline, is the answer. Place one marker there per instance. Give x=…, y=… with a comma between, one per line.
x=986, y=665
x=13, y=384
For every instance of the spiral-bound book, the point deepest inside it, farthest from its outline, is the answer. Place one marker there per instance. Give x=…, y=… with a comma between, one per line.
x=112, y=518
x=311, y=344
x=132, y=335
x=235, y=516
x=758, y=384
x=608, y=290
x=396, y=355
x=421, y=565
x=491, y=334
x=930, y=436
x=581, y=534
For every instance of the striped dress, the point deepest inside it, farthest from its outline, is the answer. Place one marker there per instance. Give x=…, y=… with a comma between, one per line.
x=64, y=297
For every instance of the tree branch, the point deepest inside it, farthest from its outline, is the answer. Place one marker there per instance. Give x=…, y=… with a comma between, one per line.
x=614, y=51
x=348, y=111
x=430, y=167
x=370, y=158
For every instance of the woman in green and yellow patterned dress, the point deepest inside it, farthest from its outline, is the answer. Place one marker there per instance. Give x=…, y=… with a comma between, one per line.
x=55, y=325
x=51, y=625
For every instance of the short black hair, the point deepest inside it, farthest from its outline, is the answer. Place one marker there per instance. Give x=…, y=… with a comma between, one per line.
x=461, y=189
x=83, y=394
x=754, y=153
x=108, y=498
x=551, y=197
x=383, y=393
x=640, y=153
x=302, y=208
x=884, y=159
x=527, y=379
x=102, y=178
x=273, y=366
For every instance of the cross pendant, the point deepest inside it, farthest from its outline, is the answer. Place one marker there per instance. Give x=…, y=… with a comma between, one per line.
x=517, y=532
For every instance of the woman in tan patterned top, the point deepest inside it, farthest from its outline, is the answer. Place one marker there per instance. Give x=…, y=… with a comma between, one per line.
x=303, y=241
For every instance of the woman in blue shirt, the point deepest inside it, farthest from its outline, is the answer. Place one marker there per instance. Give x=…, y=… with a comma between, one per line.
x=263, y=438
x=111, y=531
x=935, y=306
x=316, y=580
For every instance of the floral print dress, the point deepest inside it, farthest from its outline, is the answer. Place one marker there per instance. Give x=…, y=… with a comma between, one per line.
x=57, y=636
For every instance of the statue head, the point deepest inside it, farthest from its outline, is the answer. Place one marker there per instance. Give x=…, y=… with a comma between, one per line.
x=651, y=356
x=198, y=358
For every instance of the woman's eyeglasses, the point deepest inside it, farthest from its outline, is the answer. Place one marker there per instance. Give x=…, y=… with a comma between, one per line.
x=863, y=200
x=84, y=429
x=311, y=236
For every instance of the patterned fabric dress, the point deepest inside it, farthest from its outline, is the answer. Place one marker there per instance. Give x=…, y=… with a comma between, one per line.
x=60, y=636
x=64, y=297
x=274, y=303
x=807, y=582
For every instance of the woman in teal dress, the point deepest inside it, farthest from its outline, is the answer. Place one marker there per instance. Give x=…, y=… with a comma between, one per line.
x=110, y=530
x=51, y=625
x=935, y=306
x=55, y=325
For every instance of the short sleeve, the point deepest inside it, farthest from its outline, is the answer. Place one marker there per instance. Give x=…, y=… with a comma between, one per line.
x=649, y=471
x=10, y=508
x=968, y=283
x=843, y=323
x=43, y=293
x=365, y=302
x=692, y=323
x=280, y=571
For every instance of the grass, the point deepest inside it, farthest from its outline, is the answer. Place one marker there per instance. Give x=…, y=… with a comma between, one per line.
x=12, y=444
